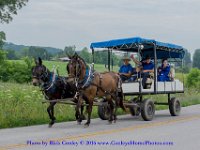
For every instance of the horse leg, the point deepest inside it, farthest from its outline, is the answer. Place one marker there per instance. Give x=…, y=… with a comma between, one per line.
x=117, y=104
x=115, y=113
x=111, y=105
x=50, y=111
x=89, y=111
x=78, y=114
x=82, y=115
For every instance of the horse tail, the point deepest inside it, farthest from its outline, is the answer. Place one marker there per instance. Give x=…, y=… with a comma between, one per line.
x=120, y=94
x=121, y=103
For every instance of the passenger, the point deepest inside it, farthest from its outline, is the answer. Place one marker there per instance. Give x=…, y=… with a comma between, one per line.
x=134, y=74
x=147, y=68
x=164, y=71
x=125, y=70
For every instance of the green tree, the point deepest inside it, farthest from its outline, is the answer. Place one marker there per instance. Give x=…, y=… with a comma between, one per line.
x=2, y=39
x=116, y=59
x=196, y=62
x=101, y=57
x=187, y=63
x=2, y=56
x=9, y=8
x=69, y=50
x=187, y=59
x=10, y=54
x=23, y=52
x=193, y=78
x=35, y=52
x=86, y=55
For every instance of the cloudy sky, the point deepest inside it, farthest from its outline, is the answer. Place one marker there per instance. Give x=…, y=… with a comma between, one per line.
x=59, y=23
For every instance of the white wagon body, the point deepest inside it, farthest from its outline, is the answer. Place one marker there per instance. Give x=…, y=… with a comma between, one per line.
x=162, y=87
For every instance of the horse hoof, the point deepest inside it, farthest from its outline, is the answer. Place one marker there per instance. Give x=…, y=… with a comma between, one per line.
x=86, y=125
x=51, y=123
x=78, y=123
x=109, y=122
x=115, y=121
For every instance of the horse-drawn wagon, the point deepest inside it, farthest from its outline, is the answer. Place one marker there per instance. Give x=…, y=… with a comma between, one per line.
x=157, y=51
x=88, y=84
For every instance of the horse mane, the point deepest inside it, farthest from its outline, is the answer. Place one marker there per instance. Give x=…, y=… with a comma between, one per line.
x=82, y=60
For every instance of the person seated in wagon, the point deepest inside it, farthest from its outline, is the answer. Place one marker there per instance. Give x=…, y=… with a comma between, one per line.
x=147, y=68
x=164, y=71
x=126, y=69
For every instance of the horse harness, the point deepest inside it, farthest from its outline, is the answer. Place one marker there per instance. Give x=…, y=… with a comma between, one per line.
x=50, y=79
x=87, y=80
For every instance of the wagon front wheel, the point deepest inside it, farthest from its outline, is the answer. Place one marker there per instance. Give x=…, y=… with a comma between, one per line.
x=174, y=107
x=147, y=110
x=103, y=111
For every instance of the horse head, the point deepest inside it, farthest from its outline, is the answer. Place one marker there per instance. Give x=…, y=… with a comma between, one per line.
x=39, y=73
x=76, y=67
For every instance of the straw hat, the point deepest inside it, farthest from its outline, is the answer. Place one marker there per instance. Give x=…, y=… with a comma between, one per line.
x=126, y=58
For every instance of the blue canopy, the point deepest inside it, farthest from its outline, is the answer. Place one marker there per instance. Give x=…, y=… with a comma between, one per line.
x=163, y=50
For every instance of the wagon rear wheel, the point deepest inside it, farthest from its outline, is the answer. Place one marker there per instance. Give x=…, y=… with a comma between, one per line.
x=174, y=107
x=103, y=110
x=147, y=110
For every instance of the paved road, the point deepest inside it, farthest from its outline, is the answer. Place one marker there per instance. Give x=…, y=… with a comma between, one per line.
x=164, y=132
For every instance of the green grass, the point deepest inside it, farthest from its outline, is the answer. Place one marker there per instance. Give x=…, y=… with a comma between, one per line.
x=181, y=77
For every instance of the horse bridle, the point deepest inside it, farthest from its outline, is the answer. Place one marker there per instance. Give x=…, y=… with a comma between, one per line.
x=43, y=76
x=77, y=72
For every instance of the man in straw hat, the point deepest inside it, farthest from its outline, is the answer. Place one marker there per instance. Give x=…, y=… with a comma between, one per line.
x=126, y=69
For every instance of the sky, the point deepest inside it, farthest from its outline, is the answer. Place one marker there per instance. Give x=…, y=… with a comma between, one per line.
x=60, y=23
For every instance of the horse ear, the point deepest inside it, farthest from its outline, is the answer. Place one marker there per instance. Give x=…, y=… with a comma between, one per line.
x=75, y=55
x=39, y=61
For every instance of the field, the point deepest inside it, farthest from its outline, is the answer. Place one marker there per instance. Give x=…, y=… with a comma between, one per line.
x=20, y=104
x=62, y=66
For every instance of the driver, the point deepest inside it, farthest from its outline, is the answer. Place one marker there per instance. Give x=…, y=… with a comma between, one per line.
x=126, y=69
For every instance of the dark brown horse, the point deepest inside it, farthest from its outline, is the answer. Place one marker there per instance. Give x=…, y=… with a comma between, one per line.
x=95, y=84
x=52, y=86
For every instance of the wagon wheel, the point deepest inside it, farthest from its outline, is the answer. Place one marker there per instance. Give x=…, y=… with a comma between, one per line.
x=147, y=110
x=103, y=110
x=174, y=107
x=134, y=110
